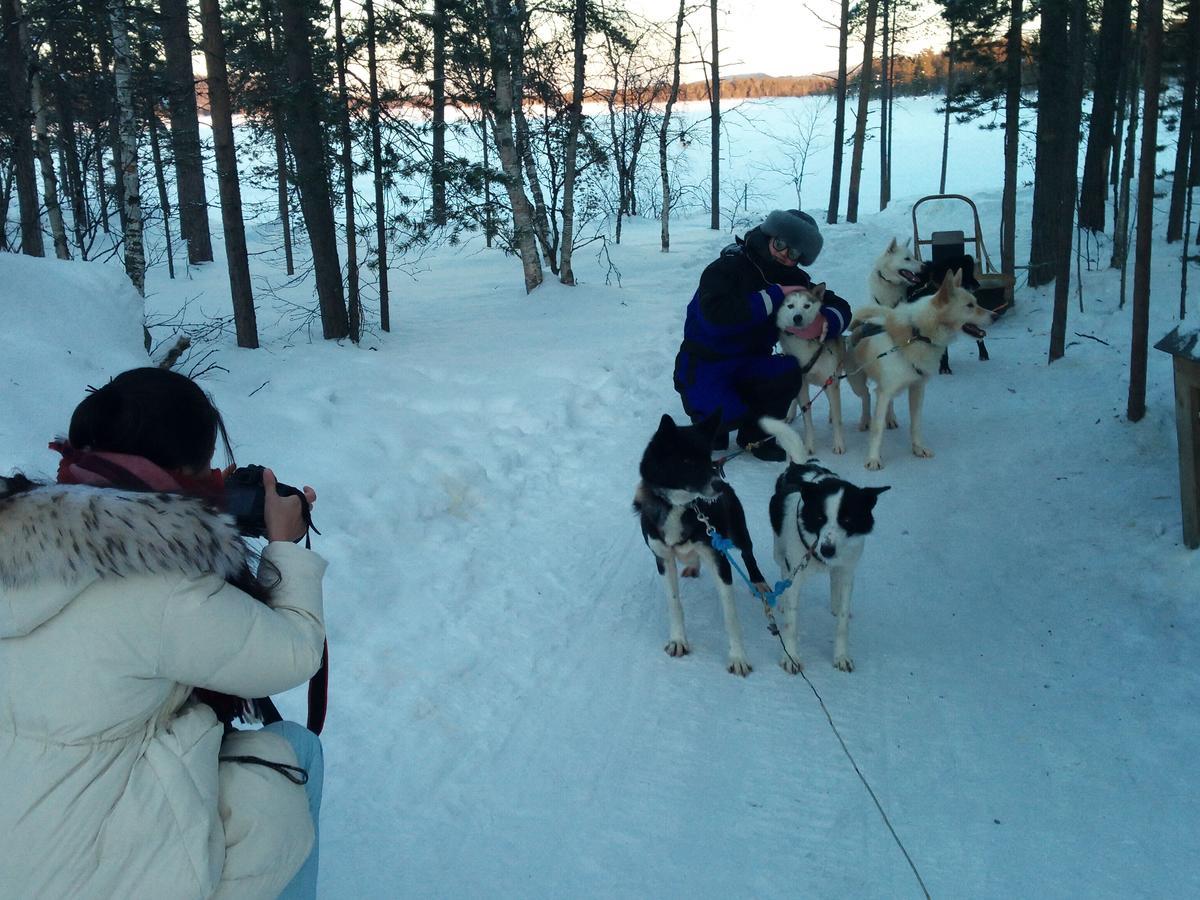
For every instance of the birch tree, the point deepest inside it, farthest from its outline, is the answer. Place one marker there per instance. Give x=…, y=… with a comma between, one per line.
x=504, y=27
x=131, y=194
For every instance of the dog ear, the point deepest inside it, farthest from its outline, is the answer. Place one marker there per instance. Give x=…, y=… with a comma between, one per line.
x=818, y=291
x=892, y=246
x=957, y=275
x=942, y=297
x=666, y=424
x=872, y=493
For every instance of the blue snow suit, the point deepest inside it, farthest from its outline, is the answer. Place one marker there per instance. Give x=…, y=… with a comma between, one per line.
x=727, y=360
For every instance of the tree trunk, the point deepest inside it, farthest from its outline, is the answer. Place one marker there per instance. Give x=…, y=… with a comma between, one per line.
x=1120, y=244
x=131, y=193
x=666, y=124
x=438, y=89
x=164, y=202
x=715, y=102
x=1012, y=144
x=6, y=184
x=385, y=319
x=1093, y=192
x=515, y=24
x=860, y=126
x=305, y=134
x=579, y=28
x=1186, y=132
x=227, y=175
x=885, y=92
x=1068, y=177
x=185, y=131
x=22, y=141
x=489, y=222
x=64, y=104
x=946, y=122
x=1139, y=340
x=274, y=46
x=839, y=121
x=355, y=312
x=46, y=157
x=1048, y=203
x=500, y=27
x=618, y=142
x=541, y=216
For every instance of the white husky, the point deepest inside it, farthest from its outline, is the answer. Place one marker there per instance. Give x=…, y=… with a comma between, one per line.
x=899, y=349
x=799, y=320
x=894, y=274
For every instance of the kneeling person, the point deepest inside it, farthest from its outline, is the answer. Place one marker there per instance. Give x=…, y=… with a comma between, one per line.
x=727, y=362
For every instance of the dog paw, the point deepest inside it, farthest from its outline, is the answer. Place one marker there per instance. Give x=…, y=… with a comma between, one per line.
x=922, y=452
x=843, y=663
x=839, y=448
x=677, y=648
x=690, y=572
x=873, y=463
x=892, y=422
x=739, y=666
x=864, y=425
x=791, y=665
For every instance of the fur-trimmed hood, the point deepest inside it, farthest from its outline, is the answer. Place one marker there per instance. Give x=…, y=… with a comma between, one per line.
x=57, y=539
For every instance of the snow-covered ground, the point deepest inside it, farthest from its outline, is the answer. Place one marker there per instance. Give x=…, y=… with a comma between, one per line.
x=503, y=720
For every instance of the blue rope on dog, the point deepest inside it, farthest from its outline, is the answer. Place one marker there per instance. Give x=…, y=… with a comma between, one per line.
x=723, y=545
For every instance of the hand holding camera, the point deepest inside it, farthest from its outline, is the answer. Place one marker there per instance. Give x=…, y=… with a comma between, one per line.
x=263, y=507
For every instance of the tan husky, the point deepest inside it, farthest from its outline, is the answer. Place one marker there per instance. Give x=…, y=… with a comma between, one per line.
x=900, y=348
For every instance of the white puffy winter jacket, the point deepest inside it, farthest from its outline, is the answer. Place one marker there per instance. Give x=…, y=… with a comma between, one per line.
x=113, y=605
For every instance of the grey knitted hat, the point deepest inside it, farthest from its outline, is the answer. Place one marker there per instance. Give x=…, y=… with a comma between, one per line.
x=796, y=229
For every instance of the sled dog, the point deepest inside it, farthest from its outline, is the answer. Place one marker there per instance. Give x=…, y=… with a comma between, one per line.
x=820, y=524
x=898, y=349
x=679, y=484
x=797, y=319
x=895, y=273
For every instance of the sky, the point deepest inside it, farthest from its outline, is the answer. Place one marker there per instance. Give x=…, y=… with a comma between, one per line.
x=775, y=37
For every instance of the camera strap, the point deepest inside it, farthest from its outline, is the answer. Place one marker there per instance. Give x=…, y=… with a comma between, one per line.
x=318, y=698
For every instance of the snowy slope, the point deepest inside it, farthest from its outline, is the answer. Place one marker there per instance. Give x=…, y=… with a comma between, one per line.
x=503, y=720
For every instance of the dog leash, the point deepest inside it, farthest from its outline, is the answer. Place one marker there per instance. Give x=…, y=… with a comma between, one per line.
x=723, y=545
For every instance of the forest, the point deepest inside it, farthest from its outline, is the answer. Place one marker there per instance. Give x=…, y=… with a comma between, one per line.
x=383, y=127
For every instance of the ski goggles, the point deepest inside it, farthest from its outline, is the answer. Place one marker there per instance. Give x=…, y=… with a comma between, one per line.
x=790, y=252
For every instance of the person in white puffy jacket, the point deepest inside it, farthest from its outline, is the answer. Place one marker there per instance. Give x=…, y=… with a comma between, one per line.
x=116, y=606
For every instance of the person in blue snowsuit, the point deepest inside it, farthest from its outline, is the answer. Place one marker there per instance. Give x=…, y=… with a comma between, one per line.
x=726, y=363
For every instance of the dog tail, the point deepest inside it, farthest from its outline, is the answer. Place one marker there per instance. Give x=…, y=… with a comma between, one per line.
x=786, y=437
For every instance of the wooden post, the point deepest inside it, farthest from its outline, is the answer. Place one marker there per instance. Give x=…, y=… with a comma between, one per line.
x=1187, y=424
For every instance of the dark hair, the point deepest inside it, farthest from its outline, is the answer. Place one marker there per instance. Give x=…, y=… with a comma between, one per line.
x=166, y=418
x=153, y=413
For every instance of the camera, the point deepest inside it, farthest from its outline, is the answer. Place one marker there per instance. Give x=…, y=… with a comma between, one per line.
x=245, y=500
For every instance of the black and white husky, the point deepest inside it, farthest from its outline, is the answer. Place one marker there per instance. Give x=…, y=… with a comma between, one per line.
x=820, y=523
x=679, y=485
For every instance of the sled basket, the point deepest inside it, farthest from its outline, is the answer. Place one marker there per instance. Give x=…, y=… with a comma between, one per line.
x=995, y=288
